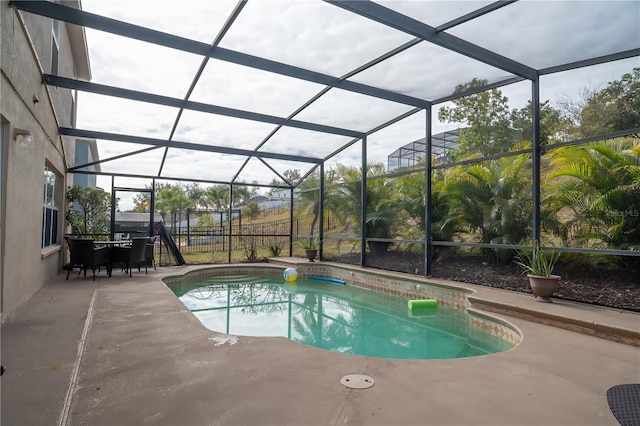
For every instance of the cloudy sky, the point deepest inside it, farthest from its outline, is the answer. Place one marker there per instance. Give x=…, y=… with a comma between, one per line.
x=329, y=40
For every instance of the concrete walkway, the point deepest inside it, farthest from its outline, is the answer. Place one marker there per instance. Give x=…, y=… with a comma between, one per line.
x=125, y=351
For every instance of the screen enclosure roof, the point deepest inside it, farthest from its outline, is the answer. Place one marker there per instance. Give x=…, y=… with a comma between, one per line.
x=230, y=92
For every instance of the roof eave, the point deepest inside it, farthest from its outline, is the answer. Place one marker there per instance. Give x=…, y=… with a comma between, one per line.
x=78, y=41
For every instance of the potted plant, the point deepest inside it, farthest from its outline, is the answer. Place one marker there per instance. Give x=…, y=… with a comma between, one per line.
x=539, y=268
x=310, y=246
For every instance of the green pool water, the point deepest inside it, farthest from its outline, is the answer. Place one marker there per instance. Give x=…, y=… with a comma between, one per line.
x=337, y=318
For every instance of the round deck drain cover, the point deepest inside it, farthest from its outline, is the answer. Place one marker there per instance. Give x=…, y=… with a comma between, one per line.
x=357, y=381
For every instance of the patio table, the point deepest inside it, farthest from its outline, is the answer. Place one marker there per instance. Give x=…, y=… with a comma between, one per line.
x=113, y=243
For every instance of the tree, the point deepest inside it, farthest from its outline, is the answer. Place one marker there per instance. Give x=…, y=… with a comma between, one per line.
x=411, y=198
x=491, y=127
x=598, y=112
x=92, y=213
x=309, y=196
x=253, y=190
x=616, y=107
x=486, y=116
x=207, y=221
x=600, y=184
x=171, y=199
x=346, y=195
x=492, y=199
x=142, y=200
x=291, y=175
x=217, y=195
x=241, y=195
x=382, y=209
x=251, y=210
x=196, y=195
x=411, y=190
x=522, y=123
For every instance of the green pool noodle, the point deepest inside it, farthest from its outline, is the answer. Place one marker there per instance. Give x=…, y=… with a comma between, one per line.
x=422, y=303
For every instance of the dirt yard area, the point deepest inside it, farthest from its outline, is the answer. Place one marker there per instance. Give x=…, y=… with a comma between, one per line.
x=580, y=282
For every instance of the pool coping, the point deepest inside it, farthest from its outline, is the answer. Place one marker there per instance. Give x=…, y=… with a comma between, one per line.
x=593, y=328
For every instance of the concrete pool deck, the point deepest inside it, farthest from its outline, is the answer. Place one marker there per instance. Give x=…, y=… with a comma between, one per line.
x=124, y=351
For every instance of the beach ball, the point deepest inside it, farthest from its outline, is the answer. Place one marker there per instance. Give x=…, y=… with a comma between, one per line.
x=290, y=274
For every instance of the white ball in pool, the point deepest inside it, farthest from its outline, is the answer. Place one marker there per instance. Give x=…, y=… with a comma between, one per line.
x=290, y=274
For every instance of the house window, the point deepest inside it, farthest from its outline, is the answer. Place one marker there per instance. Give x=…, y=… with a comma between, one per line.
x=49, y=210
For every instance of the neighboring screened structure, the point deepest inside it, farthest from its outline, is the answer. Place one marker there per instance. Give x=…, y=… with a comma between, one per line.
x=413, y=153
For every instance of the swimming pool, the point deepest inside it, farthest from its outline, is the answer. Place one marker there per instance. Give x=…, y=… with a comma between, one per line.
x=343, y=319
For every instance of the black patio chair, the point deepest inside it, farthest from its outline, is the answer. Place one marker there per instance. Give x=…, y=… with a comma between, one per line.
x=131, y=256
x=84, y=255
x=148, y=252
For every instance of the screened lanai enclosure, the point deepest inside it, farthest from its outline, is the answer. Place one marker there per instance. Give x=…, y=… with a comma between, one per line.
x=385, y=130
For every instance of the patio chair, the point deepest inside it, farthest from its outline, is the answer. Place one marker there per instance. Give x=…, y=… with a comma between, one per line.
x=84, y=255
x=131, y=255
x=148, y=252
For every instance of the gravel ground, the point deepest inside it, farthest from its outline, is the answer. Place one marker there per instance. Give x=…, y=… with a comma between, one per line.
x=579, y=282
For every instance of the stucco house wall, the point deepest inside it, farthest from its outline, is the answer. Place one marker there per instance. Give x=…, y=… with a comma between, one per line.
x=28, y=105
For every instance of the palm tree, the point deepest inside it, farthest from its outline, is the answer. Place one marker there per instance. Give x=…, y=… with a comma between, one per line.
x=599, y=183
x=411, y=193
x=241, y=195
x=217, y=195
x=444, y=223
x=195, y=194
x=171, y=199
x=493, y=199
x=309, y=196
x=381, y=207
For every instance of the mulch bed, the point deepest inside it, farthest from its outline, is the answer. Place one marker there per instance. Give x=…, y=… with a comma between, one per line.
x=580, y=282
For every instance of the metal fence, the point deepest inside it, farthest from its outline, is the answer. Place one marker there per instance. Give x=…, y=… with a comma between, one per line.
x=251, y=240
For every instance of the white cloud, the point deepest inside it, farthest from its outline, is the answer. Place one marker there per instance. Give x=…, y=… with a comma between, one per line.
x=115, y=115
x=352, y=111
x=289, y=140
x=428, y=71
x=235, y=86
x=199, y=20
x=190, y=164
x=546, y=33
x=387, y=140
x=434, y=12
x=208, y=129
x=312, y=35
x=136, y=65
